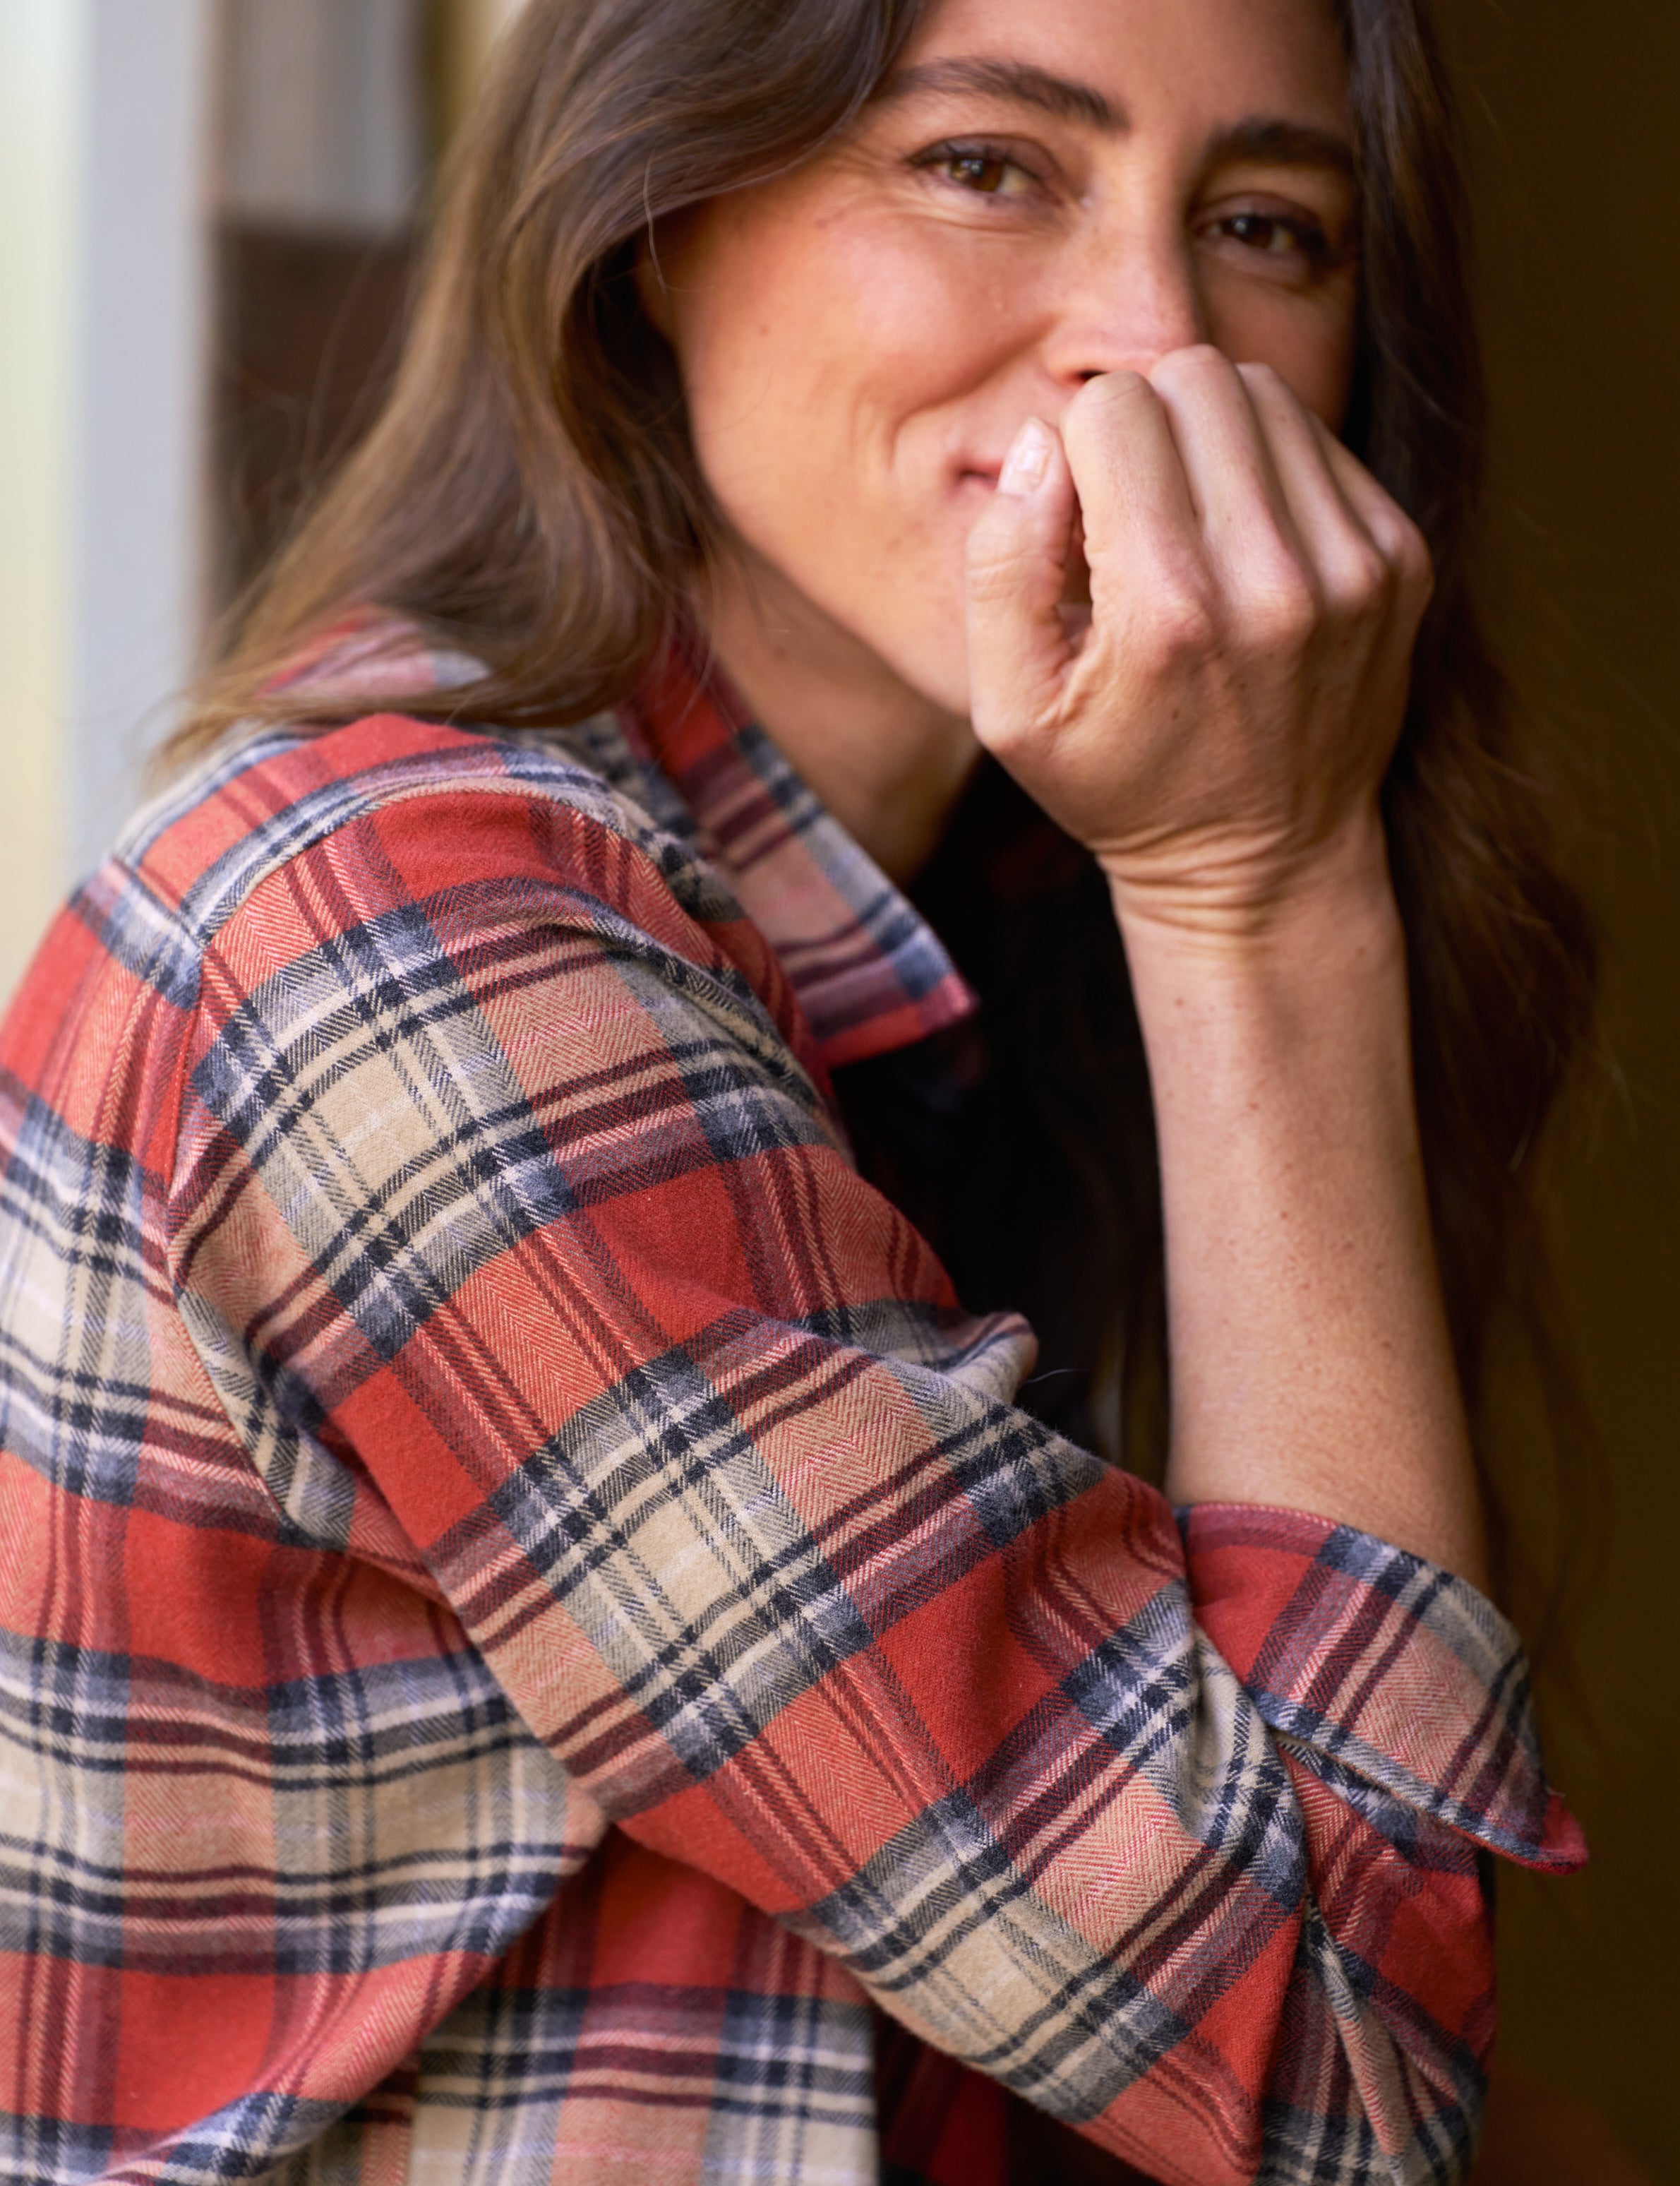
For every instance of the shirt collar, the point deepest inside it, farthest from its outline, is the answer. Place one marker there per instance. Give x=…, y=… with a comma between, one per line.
x=870, y=972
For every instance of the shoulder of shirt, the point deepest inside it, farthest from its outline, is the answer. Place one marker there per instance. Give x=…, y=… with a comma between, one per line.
x=198, y=853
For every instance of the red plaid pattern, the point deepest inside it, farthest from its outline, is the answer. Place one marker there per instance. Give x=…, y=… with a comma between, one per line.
x=529, y=1617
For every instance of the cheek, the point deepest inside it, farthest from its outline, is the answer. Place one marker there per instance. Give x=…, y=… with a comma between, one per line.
x=820, y=360
x=1310, y=343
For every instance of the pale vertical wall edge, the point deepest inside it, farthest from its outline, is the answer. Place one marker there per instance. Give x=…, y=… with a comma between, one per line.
x=43, y=70
x=104, y=270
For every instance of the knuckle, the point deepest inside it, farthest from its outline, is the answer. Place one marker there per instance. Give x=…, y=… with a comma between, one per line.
x=1416, y=563
x=1277, y=597
x=1408, y=565
x=1180, y=626
x=988, y=553
x=994, y=558
x=989, y=581
x=1187, y=368
x=993, y=586
x=1364, y=579
x=1112, y=396
x=1197, y=356
x=1120, y=385
x=1281, y=607
x=1398, y=536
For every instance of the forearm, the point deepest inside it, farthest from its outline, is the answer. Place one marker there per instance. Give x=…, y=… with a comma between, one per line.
x=1311, y=1366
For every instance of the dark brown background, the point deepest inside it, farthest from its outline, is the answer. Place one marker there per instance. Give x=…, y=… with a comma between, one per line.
x=1575, y=113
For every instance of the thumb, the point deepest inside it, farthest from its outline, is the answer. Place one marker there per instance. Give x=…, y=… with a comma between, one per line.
x=1018, y=551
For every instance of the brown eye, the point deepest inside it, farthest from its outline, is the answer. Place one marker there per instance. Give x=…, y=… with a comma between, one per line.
x=1275, y=236
x=978, y=171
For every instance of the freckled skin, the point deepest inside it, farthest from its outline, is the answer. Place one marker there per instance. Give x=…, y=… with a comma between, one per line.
x=860, y=340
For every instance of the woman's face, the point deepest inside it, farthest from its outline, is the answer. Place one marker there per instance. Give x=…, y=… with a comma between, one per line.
x=1044, y=190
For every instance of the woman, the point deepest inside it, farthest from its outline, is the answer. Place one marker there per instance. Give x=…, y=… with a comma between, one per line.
x=855, y=690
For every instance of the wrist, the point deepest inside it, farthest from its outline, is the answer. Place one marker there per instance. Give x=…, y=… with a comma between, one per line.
x=1323, y=963
x=1299, y=1002
x=1238, y=913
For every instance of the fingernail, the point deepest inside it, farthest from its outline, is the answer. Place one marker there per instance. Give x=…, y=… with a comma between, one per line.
x=1025, y=463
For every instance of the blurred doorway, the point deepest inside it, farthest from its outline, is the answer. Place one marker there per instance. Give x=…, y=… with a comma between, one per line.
x=332, y=116
x=325, y=138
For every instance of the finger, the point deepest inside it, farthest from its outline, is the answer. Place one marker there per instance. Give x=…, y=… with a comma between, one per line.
x=1129, y=474
x=1327, y=483
x=1384, y=522
x=1018, y=556
x=1242, y=510
x=1349, y=567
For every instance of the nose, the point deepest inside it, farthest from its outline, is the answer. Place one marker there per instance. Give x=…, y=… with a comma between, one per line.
x=1133, y=301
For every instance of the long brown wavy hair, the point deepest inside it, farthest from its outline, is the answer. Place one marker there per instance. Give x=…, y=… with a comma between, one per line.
x=529, y=495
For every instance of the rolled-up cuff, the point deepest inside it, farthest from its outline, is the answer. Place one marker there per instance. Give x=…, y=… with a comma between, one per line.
x=1376, y=1667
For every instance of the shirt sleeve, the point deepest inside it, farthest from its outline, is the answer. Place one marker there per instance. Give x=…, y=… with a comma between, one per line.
x=503, y=1190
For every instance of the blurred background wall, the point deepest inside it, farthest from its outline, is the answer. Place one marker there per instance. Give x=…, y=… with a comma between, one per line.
x=105, y=130
x=208, y=210
x=1574, y=116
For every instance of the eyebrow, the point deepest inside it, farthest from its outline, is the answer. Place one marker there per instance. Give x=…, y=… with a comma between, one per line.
x=1018, y=80
x=1264, y=140
x=1275, y=143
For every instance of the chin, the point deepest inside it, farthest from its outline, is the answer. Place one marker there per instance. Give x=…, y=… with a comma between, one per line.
x=937, y=670
x=931, y=654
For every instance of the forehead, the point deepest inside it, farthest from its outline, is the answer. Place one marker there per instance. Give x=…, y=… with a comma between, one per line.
x=1190, y=62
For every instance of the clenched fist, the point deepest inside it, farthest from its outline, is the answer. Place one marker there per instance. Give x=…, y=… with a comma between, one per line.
x=1216, y=728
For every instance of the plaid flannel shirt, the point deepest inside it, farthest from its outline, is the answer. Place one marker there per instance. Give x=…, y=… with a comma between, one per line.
x=536, y=1643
